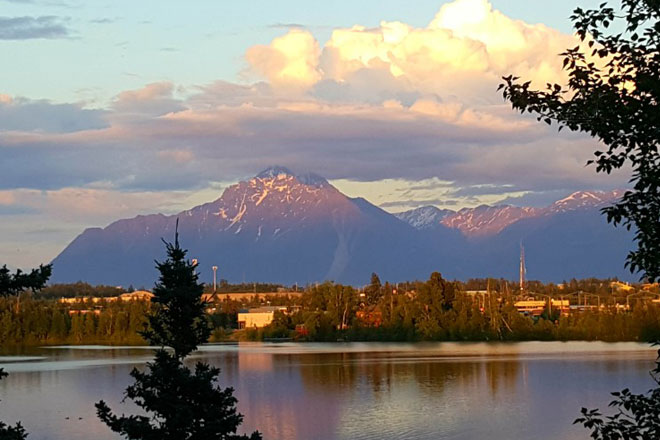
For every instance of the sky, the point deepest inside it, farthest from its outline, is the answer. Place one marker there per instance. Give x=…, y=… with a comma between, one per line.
x=110, y=109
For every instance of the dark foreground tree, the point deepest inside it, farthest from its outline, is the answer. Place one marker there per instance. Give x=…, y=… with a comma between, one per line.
x=13, y=284
x=180, y=403
x=11, y=432
x=637, y=416
x=613, y=94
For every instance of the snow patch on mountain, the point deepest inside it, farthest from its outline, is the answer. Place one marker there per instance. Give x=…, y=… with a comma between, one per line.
x=487, y=220
x=424, y=217
x=586, y=199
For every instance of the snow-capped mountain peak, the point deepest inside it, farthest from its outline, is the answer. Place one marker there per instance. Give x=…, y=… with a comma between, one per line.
x=487, y=220
x=273, y=203
x=585, y=199
x=425, y=217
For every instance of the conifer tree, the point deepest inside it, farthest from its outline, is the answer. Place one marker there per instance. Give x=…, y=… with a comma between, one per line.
x=13, y=284
x=180, y=403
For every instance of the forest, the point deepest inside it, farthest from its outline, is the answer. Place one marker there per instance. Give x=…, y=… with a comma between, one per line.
x=431, y=310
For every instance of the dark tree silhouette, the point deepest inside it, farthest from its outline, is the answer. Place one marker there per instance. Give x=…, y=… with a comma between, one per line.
x=613, y=94
x=11, y=432
x=180, y=403
x=13, y=284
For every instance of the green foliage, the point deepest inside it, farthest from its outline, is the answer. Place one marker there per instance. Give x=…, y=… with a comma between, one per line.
x=13, y=284
x=78, y=289
x=177, y=319
x=27, y=321
x=438, y=310
x=7, y=432
x=637, y=416
x=339, y=302
x=180, y=404
x=613, y=94
x=373, y=291
x=225, y=287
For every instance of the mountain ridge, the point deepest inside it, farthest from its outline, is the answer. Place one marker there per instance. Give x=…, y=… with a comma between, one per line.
x=486, y=220
x=288, y=228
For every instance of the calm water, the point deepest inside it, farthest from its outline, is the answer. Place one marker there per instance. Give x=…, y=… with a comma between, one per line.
x=347, y=391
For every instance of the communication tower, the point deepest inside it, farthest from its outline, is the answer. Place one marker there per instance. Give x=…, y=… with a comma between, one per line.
x=523, y=269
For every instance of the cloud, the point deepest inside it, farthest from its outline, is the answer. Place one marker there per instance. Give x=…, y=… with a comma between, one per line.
x=290, y=61
x=371, y=104
x=464, y=51
x=96, y=206
x=104, y=20
x=178, y=156
x=154, y=99
x=26, y=28
x=21, y=114
x=286, y=26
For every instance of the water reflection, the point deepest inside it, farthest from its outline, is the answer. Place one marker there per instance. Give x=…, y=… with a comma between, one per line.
x=348, y=391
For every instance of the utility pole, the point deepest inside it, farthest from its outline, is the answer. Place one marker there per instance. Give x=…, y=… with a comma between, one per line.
x=215, y=271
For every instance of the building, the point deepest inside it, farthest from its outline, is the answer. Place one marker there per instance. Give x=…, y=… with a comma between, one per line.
x=138, y=295
x=537, y=307
x=259, y=317
x=621, y=287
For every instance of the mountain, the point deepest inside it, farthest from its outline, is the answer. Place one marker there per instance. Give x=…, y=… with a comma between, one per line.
x=487, y=220
x=425, y=217
x=276, y=226
x=585, y=200
x=288, y=228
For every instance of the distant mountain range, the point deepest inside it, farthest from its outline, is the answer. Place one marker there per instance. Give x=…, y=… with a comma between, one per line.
x=287, y=228
x=487, y=220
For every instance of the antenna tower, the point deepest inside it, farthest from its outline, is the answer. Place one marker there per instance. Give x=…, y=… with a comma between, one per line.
x=523, y=270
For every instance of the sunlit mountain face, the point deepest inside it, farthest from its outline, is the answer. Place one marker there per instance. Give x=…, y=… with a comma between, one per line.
x=489, y=220
x=284, y=227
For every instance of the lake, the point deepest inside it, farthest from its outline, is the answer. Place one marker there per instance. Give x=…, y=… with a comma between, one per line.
x=459, y=391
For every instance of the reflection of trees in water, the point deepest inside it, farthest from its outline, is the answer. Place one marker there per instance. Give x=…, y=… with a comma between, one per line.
x=293, y=395
x=329, y=372
x=435, y=376
x=501, y=376
x=338, y=371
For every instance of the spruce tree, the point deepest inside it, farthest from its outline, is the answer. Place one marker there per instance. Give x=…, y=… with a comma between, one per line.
x=13, y=284
x=180, y=403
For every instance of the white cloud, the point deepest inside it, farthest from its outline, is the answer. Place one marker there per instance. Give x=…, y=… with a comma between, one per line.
x=290, y=61
x=463, y=52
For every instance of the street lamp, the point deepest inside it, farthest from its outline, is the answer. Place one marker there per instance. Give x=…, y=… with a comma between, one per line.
x=215, y=271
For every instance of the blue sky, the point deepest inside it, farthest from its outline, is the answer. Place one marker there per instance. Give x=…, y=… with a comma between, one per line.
x=110, y=109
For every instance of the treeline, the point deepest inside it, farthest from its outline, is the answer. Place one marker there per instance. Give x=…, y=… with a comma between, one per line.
x=596, y=286
x=433, y=310
x=224, y=286
x=437, y=310
x=28, y=321
x=79, y=289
